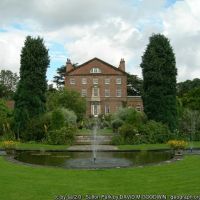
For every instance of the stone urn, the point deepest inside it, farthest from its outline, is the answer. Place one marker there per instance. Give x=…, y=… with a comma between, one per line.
x=178, y=154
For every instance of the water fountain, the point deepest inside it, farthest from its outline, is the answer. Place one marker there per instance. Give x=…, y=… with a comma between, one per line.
x=94, y=141
x=95, y=157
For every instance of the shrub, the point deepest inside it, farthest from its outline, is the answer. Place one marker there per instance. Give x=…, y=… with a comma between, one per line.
x=58, y=119
x=69, y=116
x=65, y=135
x=177, y=144
x=9, y=144
x=128, y=131
x=105, y=124
x=108, y=118
x=117, y=140
x=5, y=115
x=130, y=115
x=69, y=99
x=116, y=124
x=196, y=136
x=8, y=135
x=130, y=134
x=90, y=123
x=37, y=128
x=155, y=132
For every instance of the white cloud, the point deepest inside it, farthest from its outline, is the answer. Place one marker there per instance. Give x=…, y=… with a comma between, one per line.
x=109, y=30
x=10, y=44
x=182, y=26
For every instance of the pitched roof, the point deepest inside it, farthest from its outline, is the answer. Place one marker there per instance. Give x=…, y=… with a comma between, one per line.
x=95, y=58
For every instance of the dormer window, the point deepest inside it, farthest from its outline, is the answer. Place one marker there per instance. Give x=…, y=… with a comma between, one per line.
x=95, y=70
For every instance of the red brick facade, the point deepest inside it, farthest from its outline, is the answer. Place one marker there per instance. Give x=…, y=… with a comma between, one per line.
x=103, y=85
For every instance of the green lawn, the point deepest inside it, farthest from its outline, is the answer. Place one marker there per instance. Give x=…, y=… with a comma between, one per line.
x=39, y=146
x=38, y=183
x=153, y=146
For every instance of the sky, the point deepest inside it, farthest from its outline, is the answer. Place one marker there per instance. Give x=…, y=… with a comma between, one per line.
x=107, y=29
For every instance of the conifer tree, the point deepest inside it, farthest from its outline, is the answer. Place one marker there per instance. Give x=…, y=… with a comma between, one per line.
x=159, y=86
x=30, y=97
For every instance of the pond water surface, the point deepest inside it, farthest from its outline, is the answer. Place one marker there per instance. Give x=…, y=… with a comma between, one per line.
x=84, y=160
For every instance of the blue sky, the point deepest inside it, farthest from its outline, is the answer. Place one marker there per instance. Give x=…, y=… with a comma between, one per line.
x=110, y=30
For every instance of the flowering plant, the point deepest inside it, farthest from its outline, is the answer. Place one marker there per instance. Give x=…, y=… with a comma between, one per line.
x=9, y=144
x=177, y=144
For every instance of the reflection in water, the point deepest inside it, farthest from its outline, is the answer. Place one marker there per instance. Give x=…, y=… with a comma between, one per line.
x=85, y=159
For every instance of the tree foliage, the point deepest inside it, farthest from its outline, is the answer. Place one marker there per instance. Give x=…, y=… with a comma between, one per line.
x=189, y=125
x=191, y=99
x=159, y=86
x=5, y=114
x=59, y=79
x=30, y=98
x=8, y=83
x=134, y=85
x=186, y=86
x=69, y=99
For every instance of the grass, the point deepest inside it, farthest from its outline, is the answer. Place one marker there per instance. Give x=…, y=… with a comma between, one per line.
x=33, y=183
x=105, y=131
x=39, y=146
x=153, y=146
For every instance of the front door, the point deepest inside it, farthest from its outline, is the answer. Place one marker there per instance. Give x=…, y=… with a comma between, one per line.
x=95, y=109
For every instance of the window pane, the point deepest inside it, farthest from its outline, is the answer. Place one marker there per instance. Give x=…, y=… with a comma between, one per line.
x=95, y=81
x=118, y=81
x=84, y=80
x=84, y=93
x=118, y=93
x=72, y=81
x=107, y=81
x=95, y=92
x=107, y=92
x=95, y=70
x=107, y=109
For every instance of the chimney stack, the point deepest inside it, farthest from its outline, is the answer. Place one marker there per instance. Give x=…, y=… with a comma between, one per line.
x=122, y=64
x=69, y=65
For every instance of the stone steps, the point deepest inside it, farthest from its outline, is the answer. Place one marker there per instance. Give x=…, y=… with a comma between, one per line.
x=89, y=139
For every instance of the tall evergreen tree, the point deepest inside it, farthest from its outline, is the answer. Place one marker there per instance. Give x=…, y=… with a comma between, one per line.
x=159, y=86
x=30, y=96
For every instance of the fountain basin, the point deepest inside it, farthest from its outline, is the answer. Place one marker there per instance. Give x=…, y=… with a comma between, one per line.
x=85, y=160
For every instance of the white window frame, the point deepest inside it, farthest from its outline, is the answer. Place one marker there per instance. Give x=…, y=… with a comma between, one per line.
x=84, y=92
x=95, y=70
x=95, y=81
x=107, y=81
x=72, y=81
x=107, y=92
x=118, y=92
x=107, y=109
x=95, y=91
x=119, y=81
x=84, y=81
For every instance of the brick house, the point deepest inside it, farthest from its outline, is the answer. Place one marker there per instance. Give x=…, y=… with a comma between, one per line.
x=103, y=85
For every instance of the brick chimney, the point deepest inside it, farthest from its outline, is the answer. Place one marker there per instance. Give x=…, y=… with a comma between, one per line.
x=122, y=64
x=69, y=65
